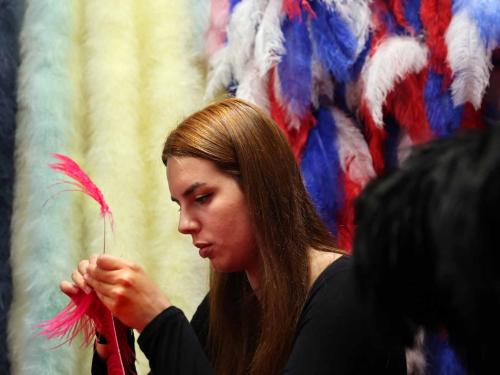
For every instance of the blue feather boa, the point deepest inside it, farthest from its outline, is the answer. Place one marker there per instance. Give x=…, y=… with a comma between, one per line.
x=321, y=168
x=294, y=70
x=335, y=44
x=9, y=20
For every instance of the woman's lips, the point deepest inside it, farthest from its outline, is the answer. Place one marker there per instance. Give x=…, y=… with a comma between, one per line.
x=205, y=251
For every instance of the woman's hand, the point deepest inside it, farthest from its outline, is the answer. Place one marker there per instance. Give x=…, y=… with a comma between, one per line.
x=78, y=277
x=125, y=290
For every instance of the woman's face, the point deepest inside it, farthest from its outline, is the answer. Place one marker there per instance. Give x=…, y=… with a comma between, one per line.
x=213, y=211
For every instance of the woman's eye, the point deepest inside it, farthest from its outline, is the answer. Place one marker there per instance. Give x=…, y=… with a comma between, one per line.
x=202, y=198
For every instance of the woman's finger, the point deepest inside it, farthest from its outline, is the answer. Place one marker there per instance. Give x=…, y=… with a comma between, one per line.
x=111, y=263
x=80, y=282
x=68, y=288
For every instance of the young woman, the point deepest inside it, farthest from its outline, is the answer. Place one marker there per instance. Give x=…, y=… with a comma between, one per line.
x=281, y=296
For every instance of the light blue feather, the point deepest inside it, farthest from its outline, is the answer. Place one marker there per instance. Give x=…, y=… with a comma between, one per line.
x=321, y=170
x=294, y=69
x=42, y=247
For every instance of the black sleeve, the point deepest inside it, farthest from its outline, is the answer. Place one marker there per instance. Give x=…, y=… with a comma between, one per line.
x=334, y=335
x=172, y=346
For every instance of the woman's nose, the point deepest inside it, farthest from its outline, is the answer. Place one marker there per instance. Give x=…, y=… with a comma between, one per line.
x=187, y=224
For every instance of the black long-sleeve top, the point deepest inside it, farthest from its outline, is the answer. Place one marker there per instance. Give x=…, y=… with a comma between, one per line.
x=334, y=335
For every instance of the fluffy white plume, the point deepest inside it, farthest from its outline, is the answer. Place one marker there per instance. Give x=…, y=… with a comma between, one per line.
x=355, y=157
x=253, y=87
x=232, y=59
x=219, y=73
x=269, y=39
x=394, y=58
x=357, y=15
x=322, y=83
x=469, y=60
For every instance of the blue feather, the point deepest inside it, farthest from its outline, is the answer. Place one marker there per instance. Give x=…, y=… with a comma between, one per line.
x=232, y=4
x=412, y=14
x=294, y=70
x=334, y=41
x=321, y=168
x=443, y=117
x=9, y=22
x=485, y=14
x=441, y=359
x=360, y=61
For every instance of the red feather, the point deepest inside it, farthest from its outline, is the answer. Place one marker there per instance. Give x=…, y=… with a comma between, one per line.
x=86, y=313
x=376, y=137
x=406, y=103
x=296, y=138
x=436, y=17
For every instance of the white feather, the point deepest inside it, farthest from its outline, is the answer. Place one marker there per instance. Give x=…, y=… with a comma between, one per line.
x=322, y=83
x=357, y=15
x=219, y=73
x=355, y=157
x=469, y=60
x=269, y=40
x=253, y=87
x=394, y=58
x=231, y=60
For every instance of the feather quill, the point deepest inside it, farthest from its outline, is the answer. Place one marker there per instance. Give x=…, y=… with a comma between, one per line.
x=469, y=60
x=391, y=62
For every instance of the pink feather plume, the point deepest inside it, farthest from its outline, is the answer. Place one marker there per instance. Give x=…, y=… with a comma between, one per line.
x=85, y=313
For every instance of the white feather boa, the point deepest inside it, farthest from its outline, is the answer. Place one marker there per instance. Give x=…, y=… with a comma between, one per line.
x=393, y=59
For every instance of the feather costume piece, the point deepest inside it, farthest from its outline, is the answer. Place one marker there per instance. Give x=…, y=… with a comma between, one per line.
x=392, y=61
x=469, y=60
x=85, y=313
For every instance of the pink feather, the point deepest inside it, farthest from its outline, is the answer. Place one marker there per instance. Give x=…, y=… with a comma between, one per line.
x=86, y=313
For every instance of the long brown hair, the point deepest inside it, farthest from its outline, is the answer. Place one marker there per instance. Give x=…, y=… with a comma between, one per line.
x=246, y=334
